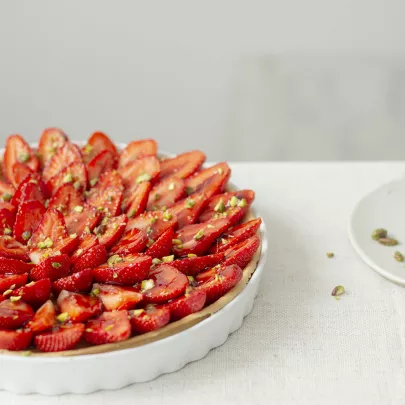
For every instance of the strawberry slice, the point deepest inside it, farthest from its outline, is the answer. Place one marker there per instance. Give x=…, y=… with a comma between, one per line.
x=6, y=191
x=109, y=202
x=28, y=218
x=233, y=214
x=235, y=235
x=52, y=139
x=133, y=241
x=7, y=220
x=15, y=339
x=193, y=265
x=137, y=149
x=153, y=223
x=32, y=188
x=66, y=337
x=163, y=245
x=64, y=246
x=192, y=301
x=242, y=253
x=14, y=314
x=13, y=266
x=34, y=293
x=148, y=319
x=97, y=142
x=111, y=230
x=9, y=282
x=66, y=199
x=17, y=150
x=140, y=170
x=219, y=282
x=12, y=249
x=79, y=307
x=126, y=270
x=91, y=258
x=75, y=173
x=53, y=267
x=82, y=219
x=117, y=298
x=165, y=283
x=198, y=238
x=166, y=193
x=183, y=165
x=44, y=319
x=77, y=282
x=107, y=180
x=188, y=209
x=101, y=163
x=109, y=327
x=135, y=199
x=20, y=172
x=86, y=242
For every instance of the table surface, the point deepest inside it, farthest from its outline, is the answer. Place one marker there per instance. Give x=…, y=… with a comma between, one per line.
x=299, y=345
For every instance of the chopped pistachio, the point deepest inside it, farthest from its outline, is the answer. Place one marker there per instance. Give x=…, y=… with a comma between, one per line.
x=137, y=312
x=62, y=317
x=8, y=292
x=167, y=215
x=87, y=149
x=77, y=185
x=8, y=231
x=398, y=256
x=189, y=190
x=171, y=187
x=153, y=220
x=78, y=208
x=31, y=283
x=115, y=275
x=73, y=235
x=143, y=177
x=338, y=290
x=176, y=241
x=87, y=229
x=108, y=328
x=26, y=235
x=131, y=213
x=220, y=207
x=88, y=330
x=24, y=157
x=56, y=265
x=14, y=299
x=48, y=242
x=164, y=208
x=156, y=261
x=26, y=353
x=93, y=182
x=219, y=170
x=210, y=226
x=179, y=246
x=168, y=259
x=379, y=233
x=100, y=208
x=234, y=201
x=192, y=282
x=112, y=260
x=41, y=245
x=242, y=203
x=147, y=284
x=388, y=241
x=157, y=196
x=104, y=221
x=150, y=242
x=148, y=230
x=330, y=255
x=6, y=196
x=68, y=178
x=95, y=291
x=13, y=286
x=199, y=234
x=191, y=255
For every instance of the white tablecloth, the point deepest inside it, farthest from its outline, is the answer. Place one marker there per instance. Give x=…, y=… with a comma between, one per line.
x=299, y=345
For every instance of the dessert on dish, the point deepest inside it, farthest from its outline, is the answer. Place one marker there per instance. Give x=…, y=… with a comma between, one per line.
x=99, y=245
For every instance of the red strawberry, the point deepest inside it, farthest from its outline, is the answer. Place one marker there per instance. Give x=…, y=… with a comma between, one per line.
x=52, y=139
x=91, y=258
x=6, y=191
x=28, y=218
x=126, y=270
x=44, y=318
x=192, y=301
x=163, y=245
x=188, y=209
x=87, y=241
x=7, y=220
x=34, y=293
x=13, y=281
x=97, y=142
x=193, y=265
x=109, y=202
x=111, y=230
x=13, y=266
x=107, y=180
x=109, y=327
x=79, y=307
x=14, y=314
x=101, y=163
x=66, y=199
x=75, y=173
x=133, y=241
x=242, y=253
x=165, y=283
x=137, y=149
x=149, y=319
x=166, y=193
x=116, y=298
x=12, y=249
x=143, y=169
x=32, y=188
x=53, y=267
x=77, y=282
x=183, y=165
x=136, y=198
x=15, y=339
x=64, y=246
x=66, y=337
x=80, y=219
x=20, y=172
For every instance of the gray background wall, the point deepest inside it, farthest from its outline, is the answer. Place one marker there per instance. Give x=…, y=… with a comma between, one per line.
x=299, y=80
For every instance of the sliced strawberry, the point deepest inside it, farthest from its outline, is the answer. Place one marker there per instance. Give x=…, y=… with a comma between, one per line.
x=53, y=267
x=198, y=238
x=233, y=214
x=91, y=258
x=166, y=193
x=12, y=249
x=165, y=283
x=188, y=209
x=14, y=314
x=66, y=199
x=107, y=180
x=97, y=142
x=183, y=165
x=130, y=270
x=116, y=298
x=223, y=280
x=86, y=242
x=66, y=337
x=163, y=245
x=28, y=218
x=79, y=307
x=153, y=223
x=20, y=172
x=109, y=202
x=136, y=198
x=52, y=139
x=193, y=265
x=75, y=173
x=7, y=220
x=81, y=221
x=15, y=339
x=6, y=191
x=44, y=319
x=64, y=246
x=133, y=241
x=109, y=327
x=16, y=280
x=32, y=188
x=103, y=162
x=137, y=149
x=148, y=319
x=111, y=230
x=192, y=301
x=77, y=282
x=13, y=266
x=34, y=293
x=8, y=206
x=242, y=253
x=140, y=170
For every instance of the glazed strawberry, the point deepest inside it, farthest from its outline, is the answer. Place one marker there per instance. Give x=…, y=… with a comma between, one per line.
x=7, y=220
x=133, y=241
x=15, y=339
x=78, y=307
x=109, y=327
x=44, y=319
x=193, y=265
x=148, y=319
x=52, y=139
x=13, y=266
x=14, y=314
x=110, y=230
x=12, y=281
x=53, y=267
x=188, y=209
x=32, y=188
x=91, y=258
x=86, y=242
x=126, y=270
x=163, y=245
x=6, y=191
x=107, y=180
x=109, y=202
x=137, y=149
x=144, y=169
x=27, y=220
x=75, y=173
x=166, y=193
x=198, y=238
x=12, y=249
x=66, y=337
x=183, y=165
x=34, y=293
x=20, y=172
x=97, y=142
x=66, y=199
x=242, y=253
x=192, y=301
x=77, y=282
x=82, y=219
x=101, y=163
x=116, y=298
x=135, y=199
x=165, y=283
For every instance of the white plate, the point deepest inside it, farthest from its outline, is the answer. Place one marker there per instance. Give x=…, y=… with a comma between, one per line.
x=382, y=208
